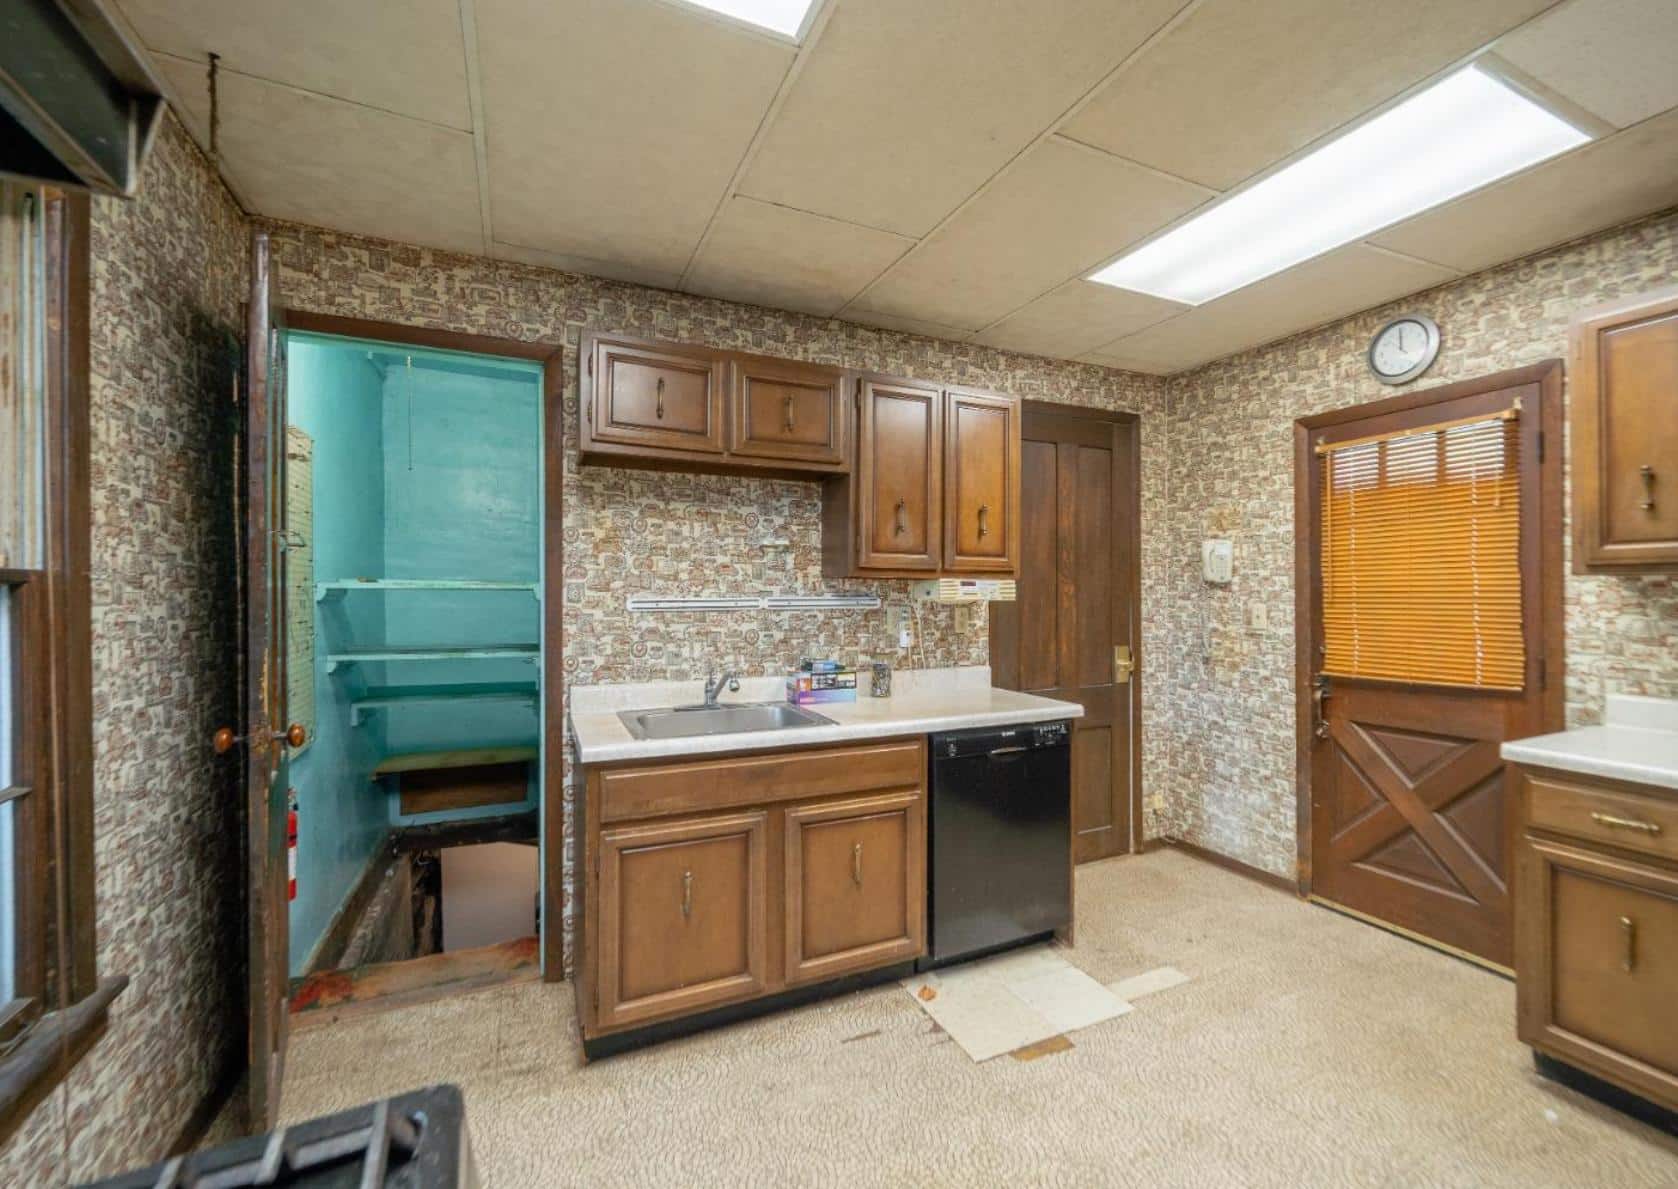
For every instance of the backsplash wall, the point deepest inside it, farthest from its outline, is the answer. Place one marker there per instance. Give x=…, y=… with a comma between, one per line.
x=1231, y=474
x=631, y=532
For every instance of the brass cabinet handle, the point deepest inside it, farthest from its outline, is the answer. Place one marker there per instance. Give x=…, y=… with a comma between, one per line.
x=660, y=409
x=789, y=412
x=902, y=525
x=984, y=511
x=687, y=893
x=856, y=864
x=1319, y=697
x=1648, y=474
x=1625, y=823
x=1628, y=932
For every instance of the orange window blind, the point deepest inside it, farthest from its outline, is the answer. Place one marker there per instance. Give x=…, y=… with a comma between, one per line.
x=1421, y=565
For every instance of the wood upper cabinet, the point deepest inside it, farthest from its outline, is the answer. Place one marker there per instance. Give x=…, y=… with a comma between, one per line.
x=785, y=410
x=855, y=884
x=683, y=916
x=981, y=482
x=674, y=406
x=662, y=396
x=899, y=476
x=1623, y=403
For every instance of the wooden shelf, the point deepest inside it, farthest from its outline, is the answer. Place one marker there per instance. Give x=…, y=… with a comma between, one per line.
x=472, y=652
x=337, y=589
x=469, y=757
x=386, y=696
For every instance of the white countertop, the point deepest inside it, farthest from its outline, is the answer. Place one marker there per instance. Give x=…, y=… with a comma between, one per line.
x=1637, y=741
x=922, y=702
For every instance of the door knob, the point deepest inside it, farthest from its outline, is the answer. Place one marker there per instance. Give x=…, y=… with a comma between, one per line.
x=293, y=736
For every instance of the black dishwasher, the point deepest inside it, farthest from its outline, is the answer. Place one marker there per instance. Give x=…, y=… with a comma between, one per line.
x=1000, y=860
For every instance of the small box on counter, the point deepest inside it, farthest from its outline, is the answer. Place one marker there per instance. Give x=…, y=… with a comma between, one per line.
x=804, y=688
x=810, y=665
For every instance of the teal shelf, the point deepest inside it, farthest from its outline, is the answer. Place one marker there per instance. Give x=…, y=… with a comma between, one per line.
x=338, y=589
x=476, y=652
x=386, y=697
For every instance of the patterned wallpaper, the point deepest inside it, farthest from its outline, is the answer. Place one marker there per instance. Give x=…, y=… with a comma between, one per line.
x=168, y=280
x=630, y=532
x=1231, y=474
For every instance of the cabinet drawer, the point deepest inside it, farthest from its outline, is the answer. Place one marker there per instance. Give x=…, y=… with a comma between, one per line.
x=690, y=785
x=683, y=916
x=787, y=411
x=855, y=885
x=1609, y=816
x=662, y=398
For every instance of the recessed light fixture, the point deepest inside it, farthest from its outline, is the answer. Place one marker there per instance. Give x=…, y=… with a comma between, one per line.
x=1463, y=132
x=782, y=16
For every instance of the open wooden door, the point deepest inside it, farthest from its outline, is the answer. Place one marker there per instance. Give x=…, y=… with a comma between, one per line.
x=267, y=737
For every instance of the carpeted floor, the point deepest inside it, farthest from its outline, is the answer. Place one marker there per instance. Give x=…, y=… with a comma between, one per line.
x=1309, y=1049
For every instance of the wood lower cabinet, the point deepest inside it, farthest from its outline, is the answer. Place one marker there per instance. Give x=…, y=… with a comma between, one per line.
x=715, y=882
x=1623, y=408
x=1596, y=944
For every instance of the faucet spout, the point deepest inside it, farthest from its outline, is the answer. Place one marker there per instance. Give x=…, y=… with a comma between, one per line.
x=714, y=686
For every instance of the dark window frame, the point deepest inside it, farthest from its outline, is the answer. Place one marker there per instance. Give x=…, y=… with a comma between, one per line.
x=46, y=1030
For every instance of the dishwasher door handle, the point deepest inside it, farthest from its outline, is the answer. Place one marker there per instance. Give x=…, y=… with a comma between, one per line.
x=1006, y=751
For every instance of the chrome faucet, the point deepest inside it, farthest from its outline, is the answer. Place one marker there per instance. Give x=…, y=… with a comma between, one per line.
x=714, y=686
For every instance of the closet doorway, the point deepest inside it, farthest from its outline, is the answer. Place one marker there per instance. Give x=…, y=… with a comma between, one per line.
x=421, y=655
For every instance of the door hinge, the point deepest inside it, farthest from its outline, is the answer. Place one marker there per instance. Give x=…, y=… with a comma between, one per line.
x=1541, y=447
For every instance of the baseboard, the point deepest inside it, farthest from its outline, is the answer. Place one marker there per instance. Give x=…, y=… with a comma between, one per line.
x=335, y=938
x=192, y=1131
x=1247, y=870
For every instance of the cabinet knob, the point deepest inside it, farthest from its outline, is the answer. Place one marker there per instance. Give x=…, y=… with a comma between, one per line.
x=687, y=894
x=1647, y=473
x=1628, y=933
x=856, y=864
x=902, y=525
x=660, y=409
x=789, y=412
x=984, y=513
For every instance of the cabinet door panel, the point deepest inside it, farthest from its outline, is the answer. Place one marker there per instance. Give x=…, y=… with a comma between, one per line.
x=666, y=399
x=981, y=496
x=788, y=411
x=683, y=916
x=899, y=468
x=855, y=885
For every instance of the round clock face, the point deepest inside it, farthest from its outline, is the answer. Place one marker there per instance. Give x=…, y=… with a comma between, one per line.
x=1404, y=348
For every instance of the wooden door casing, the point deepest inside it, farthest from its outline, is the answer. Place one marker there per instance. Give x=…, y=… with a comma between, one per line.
x=1407, y=810
x=787, y=411
x=899, y=476
x=855, y=884
x=982, y=482
x=1078, y=600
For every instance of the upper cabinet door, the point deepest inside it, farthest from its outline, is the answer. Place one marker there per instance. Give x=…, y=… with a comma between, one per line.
x=1624, y=410
x=787, y=411
x=982, y=482
x=899, y=479
x=657, y=395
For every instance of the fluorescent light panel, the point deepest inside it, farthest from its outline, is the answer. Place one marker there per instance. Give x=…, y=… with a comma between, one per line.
x=1463, y=132
x=783, y=16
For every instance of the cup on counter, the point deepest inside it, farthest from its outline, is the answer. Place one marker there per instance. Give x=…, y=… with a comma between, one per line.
x=879, y=679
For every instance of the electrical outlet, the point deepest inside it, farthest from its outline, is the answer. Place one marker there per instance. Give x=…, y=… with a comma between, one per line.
x=964, y=619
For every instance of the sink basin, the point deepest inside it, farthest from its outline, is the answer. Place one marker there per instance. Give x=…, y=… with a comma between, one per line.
x=684, y=722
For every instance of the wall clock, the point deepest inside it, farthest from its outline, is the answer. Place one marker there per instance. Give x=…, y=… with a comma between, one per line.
x=1404, y=348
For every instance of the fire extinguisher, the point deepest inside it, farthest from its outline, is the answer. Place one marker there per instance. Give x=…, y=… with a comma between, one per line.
x=291, y=843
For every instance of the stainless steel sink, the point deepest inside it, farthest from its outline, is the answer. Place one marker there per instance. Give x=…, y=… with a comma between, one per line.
x=684, y=722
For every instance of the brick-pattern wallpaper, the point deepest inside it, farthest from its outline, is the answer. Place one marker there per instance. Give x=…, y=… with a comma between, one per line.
x=1228, y=742
x=169, y=273
x=631, y=532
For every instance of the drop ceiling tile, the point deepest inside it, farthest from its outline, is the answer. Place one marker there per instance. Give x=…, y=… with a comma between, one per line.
x=310, y=159
x=1063, y=208
x=775, y=256
x=1238, y=86
x=931, y=330
x=1076, y=318
x=614, y=126
x=1332, y=286
x=1608, y=182
x=1614, y=58
x=611, y=270
x=904, y=109
x=403, y=56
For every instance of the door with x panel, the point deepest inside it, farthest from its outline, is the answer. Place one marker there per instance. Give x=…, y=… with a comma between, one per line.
x=1434, y=554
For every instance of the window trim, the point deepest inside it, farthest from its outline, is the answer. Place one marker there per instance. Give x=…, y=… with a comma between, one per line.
x=56, y=691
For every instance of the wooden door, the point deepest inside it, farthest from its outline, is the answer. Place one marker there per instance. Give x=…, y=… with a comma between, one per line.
x=1411, y=813
x=266, y=736
x=787, y=411
x=683, y=916
x=654, y=395
x=899, y=476
x=981, y=482
x=1072, y=633
x=855, y=884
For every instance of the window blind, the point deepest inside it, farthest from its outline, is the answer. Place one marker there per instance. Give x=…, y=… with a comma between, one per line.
x=1421, y=573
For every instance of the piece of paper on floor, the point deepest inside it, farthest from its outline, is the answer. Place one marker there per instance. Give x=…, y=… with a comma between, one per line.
x=998, y=1005
x=1161, y=978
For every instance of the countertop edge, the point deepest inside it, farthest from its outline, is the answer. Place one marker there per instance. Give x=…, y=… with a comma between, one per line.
x=1536, y=754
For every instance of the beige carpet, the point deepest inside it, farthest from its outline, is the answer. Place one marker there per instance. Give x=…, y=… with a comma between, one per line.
x=1308, y=1049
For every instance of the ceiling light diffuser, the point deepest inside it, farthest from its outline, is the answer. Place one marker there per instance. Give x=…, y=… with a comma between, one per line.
x=1463, y=132
x=782, y=16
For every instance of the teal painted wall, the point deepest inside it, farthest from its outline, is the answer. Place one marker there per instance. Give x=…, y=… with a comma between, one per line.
x=335, y=396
